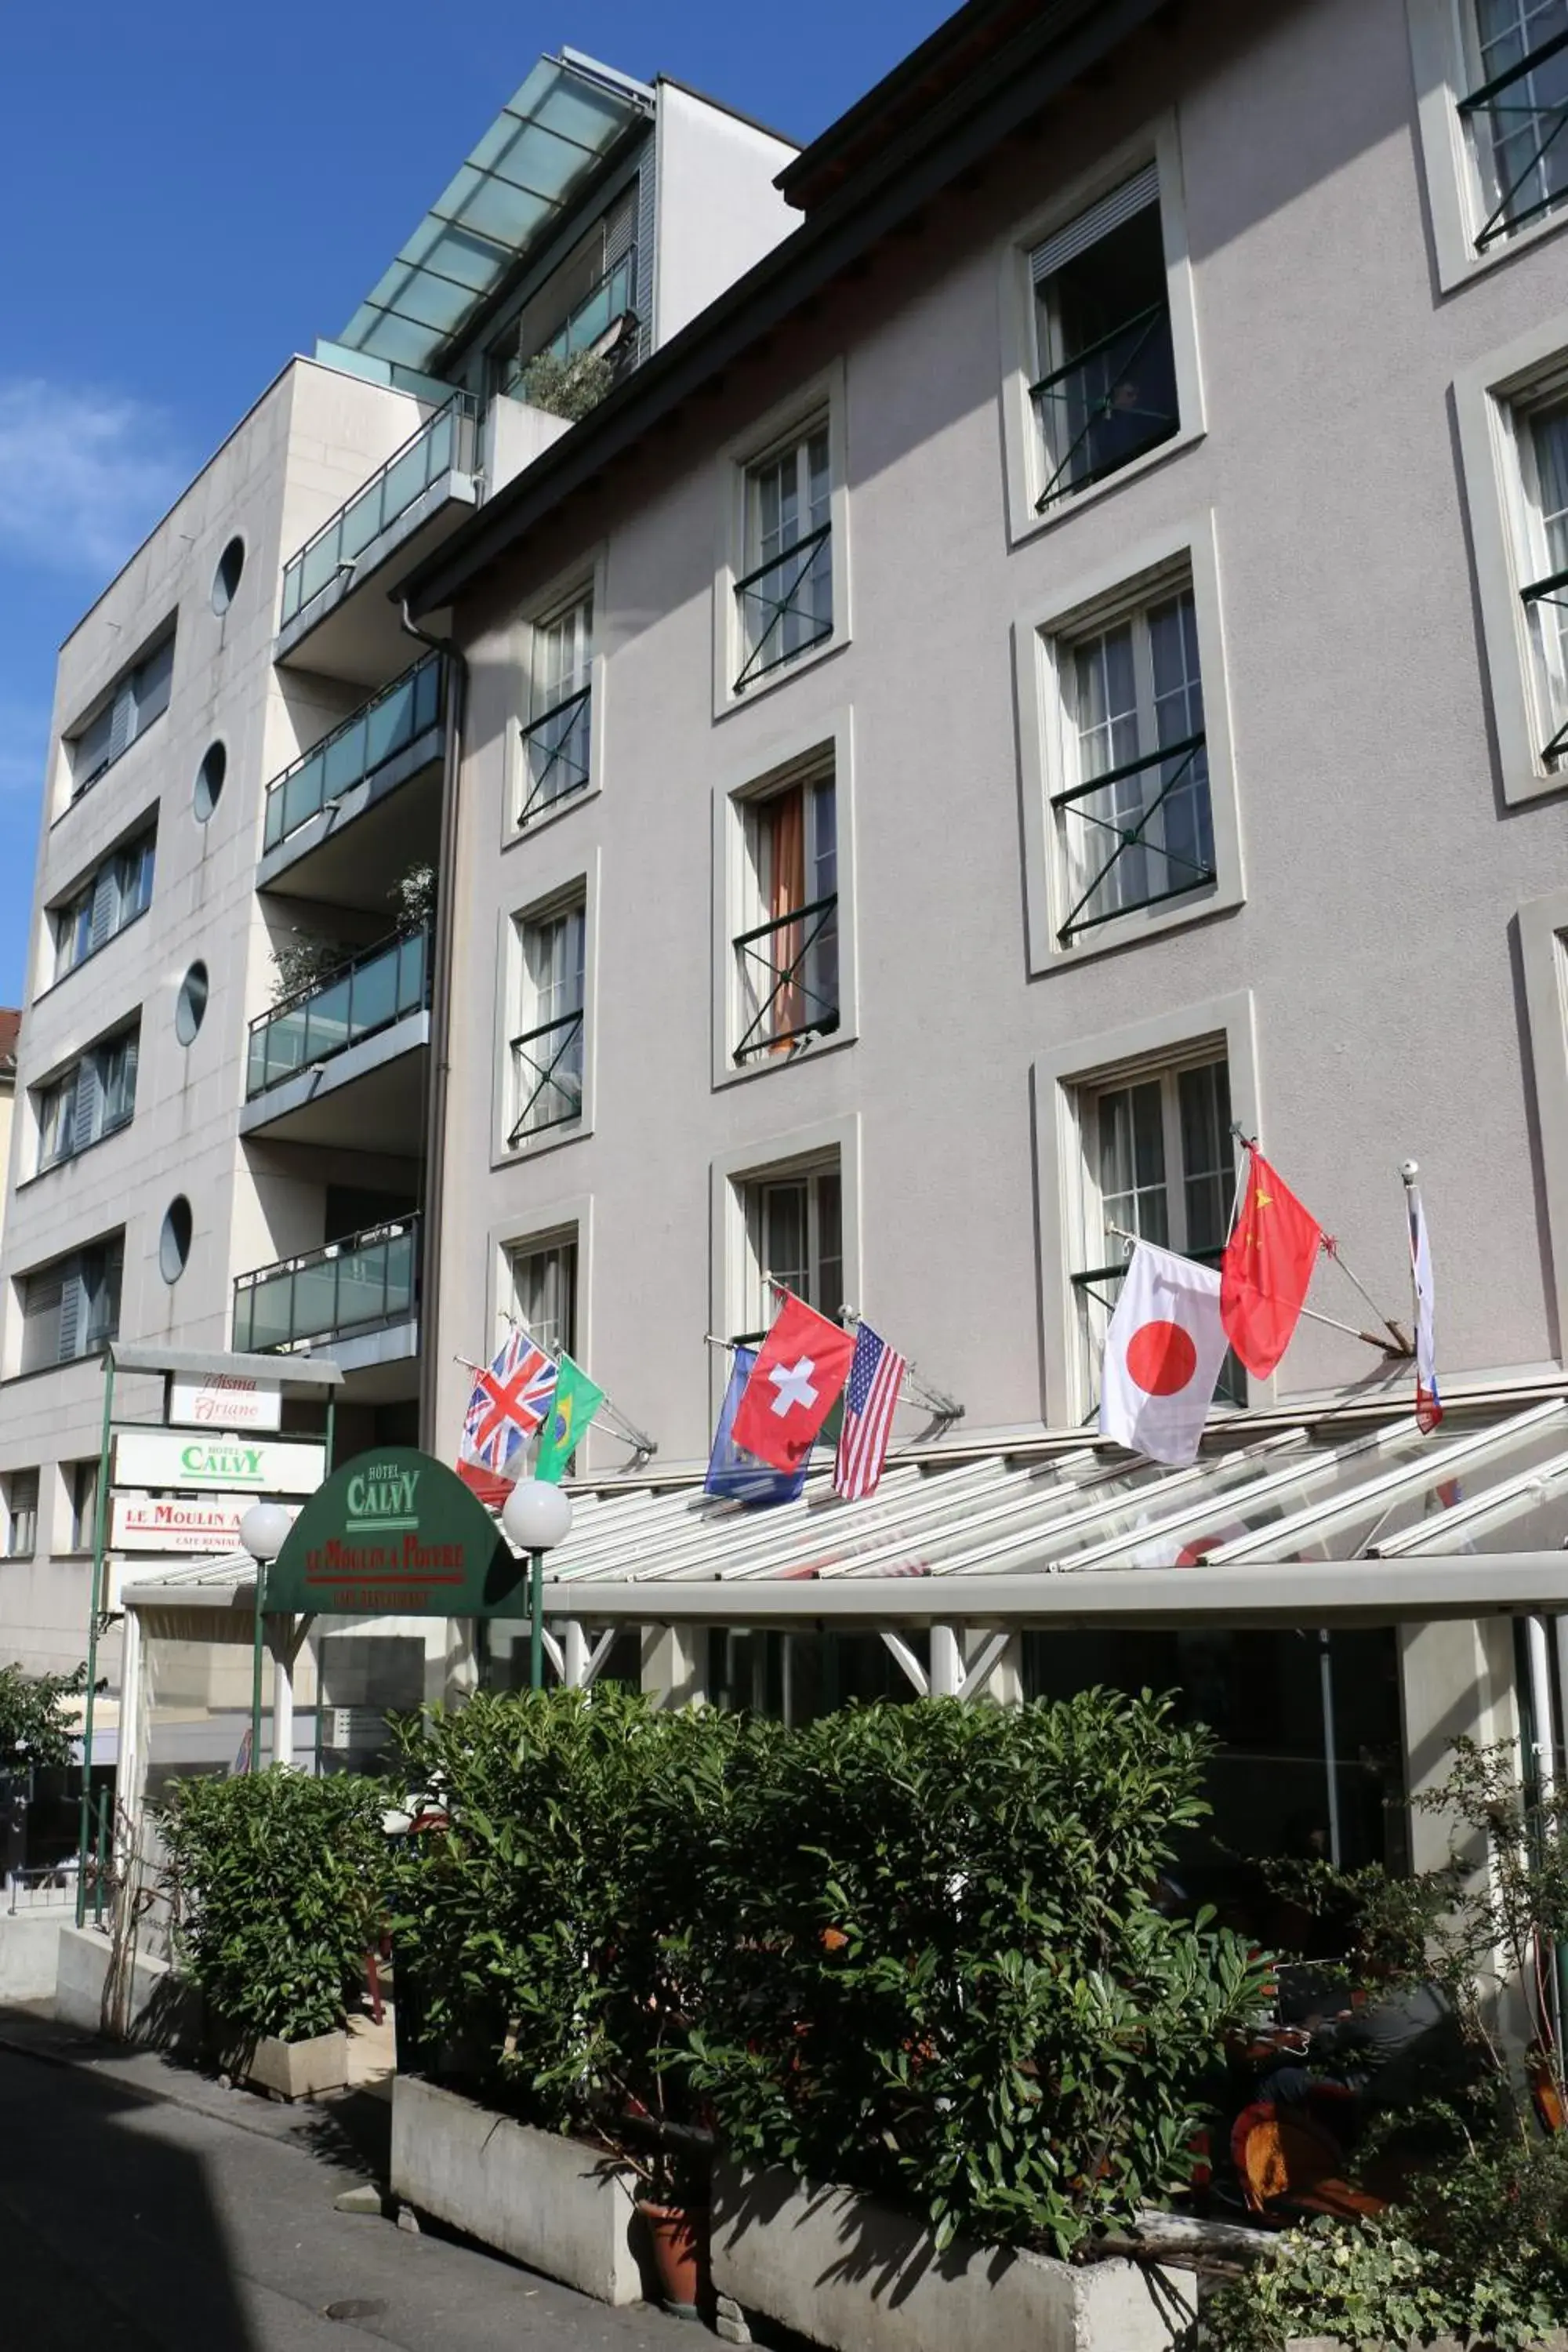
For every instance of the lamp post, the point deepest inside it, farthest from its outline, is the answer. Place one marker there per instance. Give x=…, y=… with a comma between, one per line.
x=537, y=1516
x=263, y=1531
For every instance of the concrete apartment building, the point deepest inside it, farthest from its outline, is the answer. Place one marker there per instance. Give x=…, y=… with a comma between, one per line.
x=941, y=740
x=1006, y=760
x=213, y=1149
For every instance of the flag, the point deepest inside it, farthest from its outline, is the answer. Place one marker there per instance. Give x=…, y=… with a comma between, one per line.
x=1428, y=1403
x=576, y=1402
x=801, y=1366
x=1164, y=1355
x=739, y=1477
x=1266, y=1268
x=875, y=1372
x=509, y=1402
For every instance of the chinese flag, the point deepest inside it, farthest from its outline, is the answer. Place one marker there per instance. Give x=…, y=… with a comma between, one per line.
x=801, y=1366
x=1266, y=1268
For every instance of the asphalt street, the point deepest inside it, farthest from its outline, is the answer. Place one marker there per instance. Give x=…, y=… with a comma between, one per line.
x=130, y=2224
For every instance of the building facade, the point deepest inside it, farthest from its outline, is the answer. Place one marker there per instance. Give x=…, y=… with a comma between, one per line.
x=222, y=1084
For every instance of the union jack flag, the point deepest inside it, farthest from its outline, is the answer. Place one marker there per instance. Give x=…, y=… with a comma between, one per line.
x=876, y=1373
x=508, y=1403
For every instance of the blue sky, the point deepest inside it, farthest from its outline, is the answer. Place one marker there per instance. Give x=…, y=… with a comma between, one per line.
x=194, y=192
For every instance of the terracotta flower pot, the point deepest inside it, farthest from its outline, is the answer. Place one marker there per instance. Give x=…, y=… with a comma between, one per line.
x=679, y=2236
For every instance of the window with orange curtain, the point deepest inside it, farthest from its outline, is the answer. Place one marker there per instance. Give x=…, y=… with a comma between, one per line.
x=787, y=957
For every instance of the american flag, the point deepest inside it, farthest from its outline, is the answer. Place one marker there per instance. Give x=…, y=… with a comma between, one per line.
x=869, y=1396
x=508, y=1403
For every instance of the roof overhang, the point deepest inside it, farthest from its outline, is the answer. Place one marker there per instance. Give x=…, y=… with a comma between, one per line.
x=197, y=1364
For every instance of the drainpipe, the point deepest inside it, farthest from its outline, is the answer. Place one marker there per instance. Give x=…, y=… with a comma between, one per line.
x=440, y=1022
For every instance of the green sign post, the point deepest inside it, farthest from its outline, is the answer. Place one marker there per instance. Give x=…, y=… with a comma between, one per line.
x=394, y=1533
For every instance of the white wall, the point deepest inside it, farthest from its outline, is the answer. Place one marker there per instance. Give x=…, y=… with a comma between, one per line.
x=718, y=210
x=1381, y=884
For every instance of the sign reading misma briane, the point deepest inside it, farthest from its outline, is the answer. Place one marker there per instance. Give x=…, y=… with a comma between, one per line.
x=227, y=1400
x=394, y=1533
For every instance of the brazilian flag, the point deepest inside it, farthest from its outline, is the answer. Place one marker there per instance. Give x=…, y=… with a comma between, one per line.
x=565, y=1424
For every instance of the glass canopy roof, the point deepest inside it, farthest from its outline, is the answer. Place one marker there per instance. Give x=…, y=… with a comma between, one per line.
x=511, y=192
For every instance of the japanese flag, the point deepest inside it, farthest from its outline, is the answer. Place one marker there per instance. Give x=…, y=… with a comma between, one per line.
x=1163, y=1354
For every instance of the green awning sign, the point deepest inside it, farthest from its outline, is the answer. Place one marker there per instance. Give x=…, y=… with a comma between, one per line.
x=394, y=1533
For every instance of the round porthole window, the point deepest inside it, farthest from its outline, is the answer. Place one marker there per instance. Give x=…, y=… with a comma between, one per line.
x=225, y=579
x=191, y=1003
x=209, y=780
x=174, y=1241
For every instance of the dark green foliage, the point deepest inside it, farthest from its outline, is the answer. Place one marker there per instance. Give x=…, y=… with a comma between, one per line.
x=276, y=1882
x=539, y=1933
x=910, y=1948
x=32, y=1718
x=1010, y=2038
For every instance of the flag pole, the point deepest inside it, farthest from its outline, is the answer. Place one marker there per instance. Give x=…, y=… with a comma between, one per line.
x=1402, y=1347
x=921, y=1391
x=619, y=1426
x=1311, y=1313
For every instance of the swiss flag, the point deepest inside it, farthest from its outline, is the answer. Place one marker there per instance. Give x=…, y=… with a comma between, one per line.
x=801, y=1366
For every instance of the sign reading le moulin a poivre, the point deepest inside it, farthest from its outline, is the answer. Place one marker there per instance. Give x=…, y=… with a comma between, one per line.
x=394, y=1533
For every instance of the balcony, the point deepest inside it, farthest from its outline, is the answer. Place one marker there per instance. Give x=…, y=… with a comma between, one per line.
x=343, y=1062
x=330, y=829
x=416, y=500
x=358, y=1298
x=788, y=976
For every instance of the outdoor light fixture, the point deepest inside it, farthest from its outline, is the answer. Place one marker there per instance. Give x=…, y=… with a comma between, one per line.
x=264, y=1531
x=536, y=1515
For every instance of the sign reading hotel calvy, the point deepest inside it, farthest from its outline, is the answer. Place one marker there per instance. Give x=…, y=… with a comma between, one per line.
x=227, y=1400
x=216, y=1465
x=394, y=1533
x=176, y=1523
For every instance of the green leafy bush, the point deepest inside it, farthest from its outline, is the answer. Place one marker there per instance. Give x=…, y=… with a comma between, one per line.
x=538, y=1938
x=909, y=1949
x=568, y=387
x=33, y=1719
x=934, y=1971
x=277, y=1887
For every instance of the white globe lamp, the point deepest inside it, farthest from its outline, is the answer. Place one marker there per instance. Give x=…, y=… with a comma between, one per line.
x=536, y=1516
x=264, y=1531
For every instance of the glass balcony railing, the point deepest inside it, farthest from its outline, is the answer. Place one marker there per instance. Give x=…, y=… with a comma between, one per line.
x=375, y=990
x=444, y=444
x=369, y=1280
x=353, y=752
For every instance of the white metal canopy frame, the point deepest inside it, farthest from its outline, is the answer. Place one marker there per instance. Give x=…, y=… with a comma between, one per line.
x=1308, y=1523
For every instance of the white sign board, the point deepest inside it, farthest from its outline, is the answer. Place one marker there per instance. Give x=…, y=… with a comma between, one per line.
x=176, y=1523
x=227, y=1400
x=226, y=1465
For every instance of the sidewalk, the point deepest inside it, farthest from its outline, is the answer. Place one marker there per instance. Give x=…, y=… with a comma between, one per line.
x=143, y=2208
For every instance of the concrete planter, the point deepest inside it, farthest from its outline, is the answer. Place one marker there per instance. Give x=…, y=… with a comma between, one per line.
x=854, y=2276
x=527, y=2193
x=289, y=2070
x=150, y=2001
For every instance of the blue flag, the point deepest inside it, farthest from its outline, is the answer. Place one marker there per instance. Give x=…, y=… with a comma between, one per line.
x=739, y=1477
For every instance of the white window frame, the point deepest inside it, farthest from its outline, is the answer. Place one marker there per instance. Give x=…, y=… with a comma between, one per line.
x=573, y=883
x=1024, y=447
x=1491, y=400
x=822, y=399
x=1044, y=640
x=1446, y=72
x=584, y=579
x=800, y=755
x=540, y=1225
x=1066, y=1082
x=1543, y=946
x=16, y=1514
x=734, y=1272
